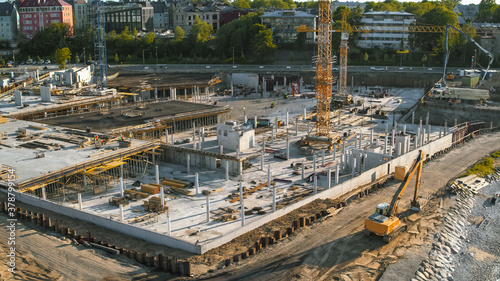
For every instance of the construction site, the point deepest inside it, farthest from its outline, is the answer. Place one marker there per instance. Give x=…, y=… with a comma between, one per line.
x=252, y=176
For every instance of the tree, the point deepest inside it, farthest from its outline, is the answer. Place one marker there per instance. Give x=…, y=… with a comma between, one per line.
x=439, y=16
x=241, y=4
x=179, y=34
x=263, y=42
x=496, y=16
x=117, y=59
x=2, y=62
x=486, y=11
x=200, y=31
x=149, y=38
x=61, y=56
x=365, y=57
x=77, y=58
x=135, y=32
x=424, y=59
x=90, y=57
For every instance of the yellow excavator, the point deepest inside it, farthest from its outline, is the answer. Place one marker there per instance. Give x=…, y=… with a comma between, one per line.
x=384, y=221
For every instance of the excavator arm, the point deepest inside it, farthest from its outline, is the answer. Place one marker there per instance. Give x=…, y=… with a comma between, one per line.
x=415, y=167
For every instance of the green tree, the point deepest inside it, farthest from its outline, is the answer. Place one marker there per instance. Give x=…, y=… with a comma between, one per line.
x=439, y=16
x=117, y=59
x=200, y=31
x=365, y=57
x=386, y=57
x=496, y=16
x=263, y=42
x=39, y=60
x=179, y=34
x=2, y=62
x=241, y=4
x=300, y=42
x=149, y=38
x=486, y=10
x=424, y=60
x=135, y=32
x=90, y=57
x=61, y=56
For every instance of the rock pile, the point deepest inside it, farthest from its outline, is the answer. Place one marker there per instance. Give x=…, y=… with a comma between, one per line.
x=449, y=242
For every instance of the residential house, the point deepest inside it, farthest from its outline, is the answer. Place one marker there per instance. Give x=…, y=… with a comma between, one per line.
x=394, y=33
x=284, y=25
x=9, y=22
x=35, y=15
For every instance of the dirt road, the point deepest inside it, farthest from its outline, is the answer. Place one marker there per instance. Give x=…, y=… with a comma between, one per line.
x=325, y=250
x=43, y=255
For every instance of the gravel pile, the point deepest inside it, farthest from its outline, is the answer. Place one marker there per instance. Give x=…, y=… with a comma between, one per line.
x=449, y=242
x=481, y=260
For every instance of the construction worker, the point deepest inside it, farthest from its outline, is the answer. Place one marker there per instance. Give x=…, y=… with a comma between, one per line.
x=272, y=105
x=286, y=95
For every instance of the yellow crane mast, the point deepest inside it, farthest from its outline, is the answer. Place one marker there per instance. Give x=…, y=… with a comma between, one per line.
x=324, y=78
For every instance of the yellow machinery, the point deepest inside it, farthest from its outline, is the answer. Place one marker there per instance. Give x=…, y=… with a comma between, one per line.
x=384, y=221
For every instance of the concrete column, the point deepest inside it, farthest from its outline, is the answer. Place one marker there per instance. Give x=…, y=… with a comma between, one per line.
x=188, y=164
x=385, y=144
x=242, y=205
x=364, y=162
x=386, y=128
x=208, y=208
x=297, y=127
x=121, y=212
x=202, y=133
x=413, y=117
x=314, y=163
x=172, y=139
x=398, y=149
x=440, y=132
x=407, y=145
x=221, y=149
x=360, y=139
x=456, y=121
x=156, y=93
x=305, y=114
x=329, y=179
x=185, y=95
x=422, y=137
x=404, y=129
x=269, y=176
x=287, y=146
x=334, y=152
x=44, y=196
x=342, y=161
x=162, y=197
x=169, y=227
x=157, y=174
x=284, y=84
x=287, y=118
x=315, y=190
x=197, y=183
x=255, y=122
x=427, y=119
x=194, y=132
x=265, y=87
x=337, y=174
x=417, y=140
x=227, y=170
x=396, y=126
x=353, y=167
x=393, y=141
x=166, y=136
x=371, y=137
x=491, y=124
x=302, y=169
x=323, y=157
x=274, y=199
x=429, y=133
x=245, y=119
x=121, y=188
x=80, y=203
x=84, y=180
x=445, y=128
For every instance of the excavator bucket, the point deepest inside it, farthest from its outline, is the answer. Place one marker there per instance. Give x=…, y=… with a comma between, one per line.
x=415, y=206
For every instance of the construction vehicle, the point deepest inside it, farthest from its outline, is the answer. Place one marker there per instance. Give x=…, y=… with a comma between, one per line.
x=384, y=221
x=117, y=201
x=450, y=76
x=447, y=53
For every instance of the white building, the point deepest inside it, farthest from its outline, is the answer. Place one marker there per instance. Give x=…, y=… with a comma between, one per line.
x=390, y=28
x=161, y=18
x=284, y=25
x=234, y=137
x=9, y=22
